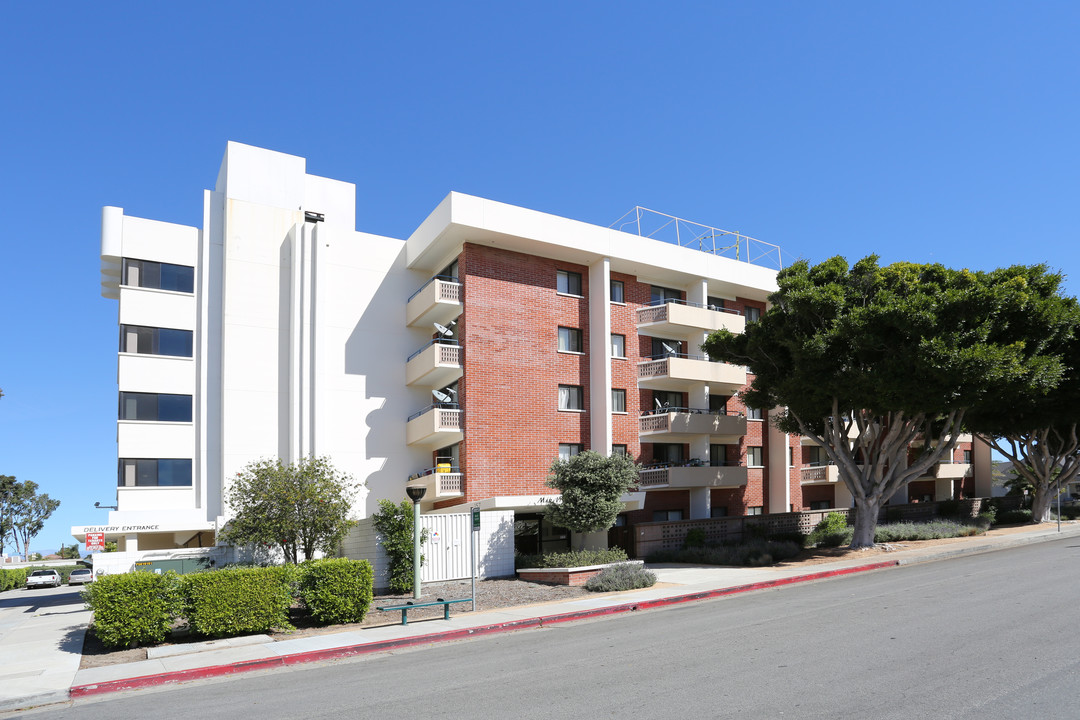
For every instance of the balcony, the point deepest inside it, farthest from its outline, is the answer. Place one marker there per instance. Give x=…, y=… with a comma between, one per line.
x=438, y=301
x=435, y=426
x=681, y=425
x=819, y=474
x=441, y=484
x=692, y=476
x=951, y=471
x=677, y=319
x=677, y=372
x=437, y=364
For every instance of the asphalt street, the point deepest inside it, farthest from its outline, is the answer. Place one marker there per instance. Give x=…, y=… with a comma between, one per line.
x=984, y=636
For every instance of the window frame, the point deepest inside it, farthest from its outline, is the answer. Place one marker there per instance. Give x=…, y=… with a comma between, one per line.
x=622, y=338
x=752, y=314
x=759, y=452
x=754, y=413
x=153, y=337
x=152, y=404
x=565, y=278
x=567, y=338
x=572, y=449
x=612, y=284
x=574, y=392
x=614, y=404
x=142, y=468
x=180, y=275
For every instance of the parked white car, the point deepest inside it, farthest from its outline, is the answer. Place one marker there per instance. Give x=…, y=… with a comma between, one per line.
x=43, y=578
x=80, y=576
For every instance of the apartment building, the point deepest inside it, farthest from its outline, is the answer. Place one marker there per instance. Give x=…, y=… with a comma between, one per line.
x=465, y=358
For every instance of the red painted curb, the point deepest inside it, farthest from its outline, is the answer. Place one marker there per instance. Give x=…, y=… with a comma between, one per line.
x=178, y=676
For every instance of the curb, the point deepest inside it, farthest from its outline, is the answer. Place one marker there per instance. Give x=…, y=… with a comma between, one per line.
x=178, y=676
x=27, y=702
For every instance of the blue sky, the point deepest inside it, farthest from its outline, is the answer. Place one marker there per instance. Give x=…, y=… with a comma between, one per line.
x=925, y=131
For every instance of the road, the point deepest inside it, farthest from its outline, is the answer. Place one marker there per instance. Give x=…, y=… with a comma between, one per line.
x=986, y=636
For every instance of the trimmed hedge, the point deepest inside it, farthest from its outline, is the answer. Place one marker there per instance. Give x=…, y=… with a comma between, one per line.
x=133, y=608
x=625, y=576
x=12, y=578
x=337, y=591
x=236, y=601
x=574, y=558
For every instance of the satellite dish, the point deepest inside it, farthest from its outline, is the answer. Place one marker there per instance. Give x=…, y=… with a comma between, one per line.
x=658, y=405
x=442, y=329
x=668, y=348
x=450, y=391
x=440, y=396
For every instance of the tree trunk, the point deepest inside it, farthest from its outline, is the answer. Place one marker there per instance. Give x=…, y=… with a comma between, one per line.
x=866, y=515
x=1040, y=505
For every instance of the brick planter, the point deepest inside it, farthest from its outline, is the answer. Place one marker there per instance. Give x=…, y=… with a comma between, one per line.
x=568, y=576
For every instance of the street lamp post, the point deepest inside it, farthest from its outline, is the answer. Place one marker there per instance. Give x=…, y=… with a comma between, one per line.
x=416, y=493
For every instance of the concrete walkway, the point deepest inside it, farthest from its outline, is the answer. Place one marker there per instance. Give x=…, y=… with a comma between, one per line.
x=41, y=632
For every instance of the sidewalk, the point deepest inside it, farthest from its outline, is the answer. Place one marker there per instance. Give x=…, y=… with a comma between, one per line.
x=43, y=669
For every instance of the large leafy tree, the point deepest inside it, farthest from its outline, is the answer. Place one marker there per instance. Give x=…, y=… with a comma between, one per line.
x=1038, y=432
x=299, y=508
x=28, y=513
x=590, y=486
x=8, y=494
x=881, y=365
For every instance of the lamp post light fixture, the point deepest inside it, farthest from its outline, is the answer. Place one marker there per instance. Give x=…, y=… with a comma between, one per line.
x=416, y=494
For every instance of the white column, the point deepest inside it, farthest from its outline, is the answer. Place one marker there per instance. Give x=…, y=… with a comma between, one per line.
x=131, y=542
x=301, y=340
x=700, y=503
x=777, y=473
x=600, y=357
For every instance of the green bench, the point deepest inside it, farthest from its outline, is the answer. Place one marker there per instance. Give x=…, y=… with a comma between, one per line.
x=411, y=605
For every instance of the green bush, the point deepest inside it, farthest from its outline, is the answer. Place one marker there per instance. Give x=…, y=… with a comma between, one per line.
x=574, y=558
x=12, y=578
x=1013, y=517
x=832, y=531
x=394, y=523
x=133, y=608
x=237, y=601
x=695, y=537
x=987, y=515
x=337, y=591
x=752, y=553
x=1068, y=512
x=933, y=530
x=625, y=576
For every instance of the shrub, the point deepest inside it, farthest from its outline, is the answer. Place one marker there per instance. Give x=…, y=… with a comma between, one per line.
x=11, y=578
x=337, y=591
x=395, y=524
x=832, y=531
x=133, y=608
x=695, y=537
x=236, y=601
x=625, y=576
x=987, y=515
x=753, y=553
x=574, y=558
x=1013, y=517
x=933, y=530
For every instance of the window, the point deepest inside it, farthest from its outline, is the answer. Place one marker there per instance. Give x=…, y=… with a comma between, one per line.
x=819, y=505
x=717, y=455
x=715, y=303
x=967, y=457
x=154, y=473
x=155, y=406
x=753, y=314
x=571, y=397
x=569, y=340
x=718, y=512
x=568, y=450
x=663, y=347
x=753, y=456
x=756, y=510
x=618, y=400
x=671, y=453
x=450, y=272
x=618, y=450
x=618, y=346
x=790, y=456
x=816, y=455
x=666, y=515
x=718, y=404
x=155, y=341
x=158, y=275
x=660, y=295
x=664, y=399
x=617, y=294
x=753, y=413
x=568, y=283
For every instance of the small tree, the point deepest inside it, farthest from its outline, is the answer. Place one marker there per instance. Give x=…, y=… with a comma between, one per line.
x=590, y=486
x=299, y=508
x=29, y=511
x=394, y=523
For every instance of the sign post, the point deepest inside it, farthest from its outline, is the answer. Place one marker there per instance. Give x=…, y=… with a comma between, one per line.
x=474, y=540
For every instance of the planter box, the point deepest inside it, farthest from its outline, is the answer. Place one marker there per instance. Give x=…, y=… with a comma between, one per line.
x=568, y=576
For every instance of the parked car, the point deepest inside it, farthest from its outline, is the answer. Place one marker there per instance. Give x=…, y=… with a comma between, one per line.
x=43, y=578
x=80, y=576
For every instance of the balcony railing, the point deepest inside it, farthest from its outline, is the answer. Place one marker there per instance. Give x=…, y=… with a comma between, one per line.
x=438, y=424
x=819, y=474
x=442, y=481
x=675, y=370
x=672, y=317
x=695, y=474
x=437, y=301
x=437, y=364
x=678, y=421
